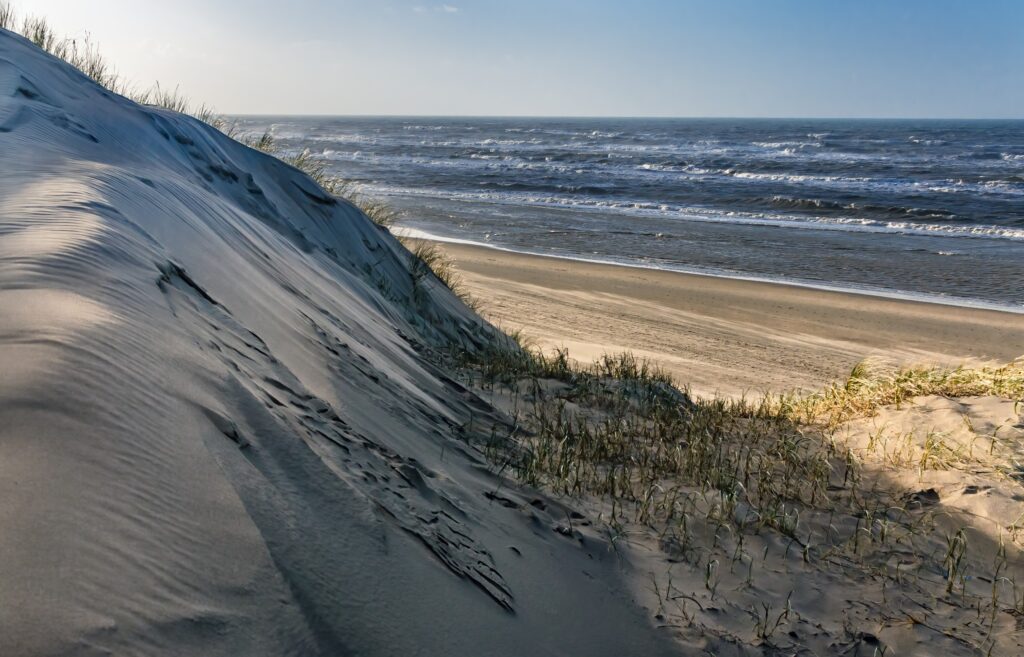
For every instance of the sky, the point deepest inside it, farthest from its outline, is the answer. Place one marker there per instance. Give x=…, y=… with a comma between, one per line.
x=731, y=58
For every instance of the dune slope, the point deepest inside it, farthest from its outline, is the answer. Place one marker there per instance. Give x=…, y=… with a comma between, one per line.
x=218, y=432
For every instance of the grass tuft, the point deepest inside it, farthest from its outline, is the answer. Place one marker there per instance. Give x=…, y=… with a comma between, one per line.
x=871, y=386
x=620, y=429
x=39, y=32
x=426, y=259
x=85, y=56
x=7, y=17
x=264, y=142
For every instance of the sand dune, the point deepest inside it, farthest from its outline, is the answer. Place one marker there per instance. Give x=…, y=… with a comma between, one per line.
x=218, y=432
x=235, y=419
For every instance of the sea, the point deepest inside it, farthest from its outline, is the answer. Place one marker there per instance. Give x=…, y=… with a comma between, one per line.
x=922, y=209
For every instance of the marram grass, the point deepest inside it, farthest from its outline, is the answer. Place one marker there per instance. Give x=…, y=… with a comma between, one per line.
x=619, y=428
x=710, y=478
x=871, y=386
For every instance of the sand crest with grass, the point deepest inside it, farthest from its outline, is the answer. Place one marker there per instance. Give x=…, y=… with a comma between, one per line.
x=238, y=416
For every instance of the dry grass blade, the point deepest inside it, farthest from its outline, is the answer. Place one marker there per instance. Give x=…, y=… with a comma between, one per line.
x=870, y=387
x=6, y=17
x=428, y=259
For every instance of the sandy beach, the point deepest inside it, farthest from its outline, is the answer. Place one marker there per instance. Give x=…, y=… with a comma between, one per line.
x=239, y=416
x=724, y=335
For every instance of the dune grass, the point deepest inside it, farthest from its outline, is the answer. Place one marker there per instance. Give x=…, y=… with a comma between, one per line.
x=712, y=478
x=84, y=55
x=427, y=259
x=620, y=426
x=175, y=101
x=620, y=429
x=871, y=386
x=378, y=211
x=7, y=17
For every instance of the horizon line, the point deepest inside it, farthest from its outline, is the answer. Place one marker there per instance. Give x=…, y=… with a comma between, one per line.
x=626, y=117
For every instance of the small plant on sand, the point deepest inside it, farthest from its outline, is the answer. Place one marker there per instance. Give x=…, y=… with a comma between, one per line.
x=766, y=625
x=175, y=101
x=956, y=550
x=426, y=259
x=6, y=17
x=870, y=387
x=378, y=211
x=39, y=32
x=263, y=142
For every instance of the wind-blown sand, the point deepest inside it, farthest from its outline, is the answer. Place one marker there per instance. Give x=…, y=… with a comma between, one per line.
x=724, y=335
x=219, y=430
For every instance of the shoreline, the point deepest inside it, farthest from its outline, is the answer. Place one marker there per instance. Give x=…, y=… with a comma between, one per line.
x=722, y=335
x=975, y=304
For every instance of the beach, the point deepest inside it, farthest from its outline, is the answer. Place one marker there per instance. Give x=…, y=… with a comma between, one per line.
x=927, y=209
x=242, y=414
x=721, y=335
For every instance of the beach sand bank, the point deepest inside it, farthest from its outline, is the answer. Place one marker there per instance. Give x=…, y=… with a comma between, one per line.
x=237, y=418
x=724, y=335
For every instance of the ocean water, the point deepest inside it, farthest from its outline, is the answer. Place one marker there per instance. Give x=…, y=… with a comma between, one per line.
x=924, y=209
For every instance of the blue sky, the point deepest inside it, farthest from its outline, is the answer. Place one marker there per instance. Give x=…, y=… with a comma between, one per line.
x=805, y=58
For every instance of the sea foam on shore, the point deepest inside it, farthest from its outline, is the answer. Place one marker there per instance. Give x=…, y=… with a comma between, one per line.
x=914, y=208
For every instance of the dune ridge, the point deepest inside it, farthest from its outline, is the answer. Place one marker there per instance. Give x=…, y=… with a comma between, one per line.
x=221, y=432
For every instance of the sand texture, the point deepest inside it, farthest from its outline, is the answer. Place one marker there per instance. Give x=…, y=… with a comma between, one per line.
x=723, y=335
x=218, y=432
x=236, y=418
